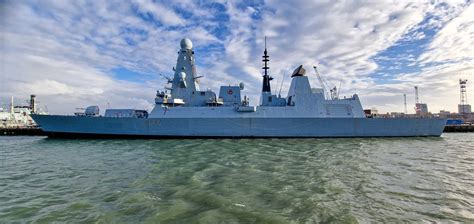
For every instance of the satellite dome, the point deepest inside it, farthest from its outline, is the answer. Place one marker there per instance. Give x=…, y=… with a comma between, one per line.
x=186, y=44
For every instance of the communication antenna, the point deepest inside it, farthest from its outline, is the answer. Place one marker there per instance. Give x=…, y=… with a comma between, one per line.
x=463, y=96
x=170, y=80
x=416, y=95
x=281, y=85
x=277, y=83
x=266, y=78
x=339, y=89
x=405, y=102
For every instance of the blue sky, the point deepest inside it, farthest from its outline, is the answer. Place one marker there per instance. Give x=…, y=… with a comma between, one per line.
x=78, y=53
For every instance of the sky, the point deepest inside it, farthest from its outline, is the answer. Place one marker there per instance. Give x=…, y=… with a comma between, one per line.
x=114, y=54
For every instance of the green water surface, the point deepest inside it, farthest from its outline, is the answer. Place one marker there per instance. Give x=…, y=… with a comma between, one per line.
x=237, y=180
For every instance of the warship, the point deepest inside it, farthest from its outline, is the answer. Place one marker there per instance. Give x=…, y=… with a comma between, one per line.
x=184, y=110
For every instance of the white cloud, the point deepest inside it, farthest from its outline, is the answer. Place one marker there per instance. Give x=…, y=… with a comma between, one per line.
x=339, y=38
x=454, y=42
x=164, y=14
x=343, y=39
x=447, y=59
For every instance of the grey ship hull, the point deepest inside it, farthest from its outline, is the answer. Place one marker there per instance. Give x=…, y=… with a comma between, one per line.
x=78, y=127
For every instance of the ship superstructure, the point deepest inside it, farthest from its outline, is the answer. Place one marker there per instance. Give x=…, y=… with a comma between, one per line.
x=18, y=116
x=185, y=98
x=184, y=110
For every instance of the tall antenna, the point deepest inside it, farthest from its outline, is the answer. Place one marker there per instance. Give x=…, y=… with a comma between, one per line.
x=463, y=96
x=281, y=85
x=339, y=89
x=12, y=106
x=416, y=95
x=405, y=102
x=463, y=107
x=265, y=42
x=266, y=78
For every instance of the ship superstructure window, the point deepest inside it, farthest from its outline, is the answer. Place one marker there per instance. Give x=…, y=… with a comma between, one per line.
x=203, y=93
x=269, y=99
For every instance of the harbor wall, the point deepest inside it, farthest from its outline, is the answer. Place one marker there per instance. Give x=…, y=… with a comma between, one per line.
x=22, y=131
x=459, y=128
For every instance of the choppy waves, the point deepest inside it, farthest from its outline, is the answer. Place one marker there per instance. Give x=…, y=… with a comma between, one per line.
x=243, y=180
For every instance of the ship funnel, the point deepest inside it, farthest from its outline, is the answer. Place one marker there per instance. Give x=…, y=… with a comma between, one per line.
x=33, y=103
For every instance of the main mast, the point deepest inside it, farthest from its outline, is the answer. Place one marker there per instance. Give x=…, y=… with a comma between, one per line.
x=266, y=77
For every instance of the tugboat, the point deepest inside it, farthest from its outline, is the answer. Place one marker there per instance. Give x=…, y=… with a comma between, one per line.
x=185, y=111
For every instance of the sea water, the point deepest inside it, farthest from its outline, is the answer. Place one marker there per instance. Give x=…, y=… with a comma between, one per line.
x=343, y=180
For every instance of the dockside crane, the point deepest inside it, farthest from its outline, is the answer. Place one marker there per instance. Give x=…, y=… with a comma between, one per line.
x=333, y=92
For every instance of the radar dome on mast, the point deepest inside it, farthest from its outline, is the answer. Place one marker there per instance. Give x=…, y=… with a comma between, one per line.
x=186, y=44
